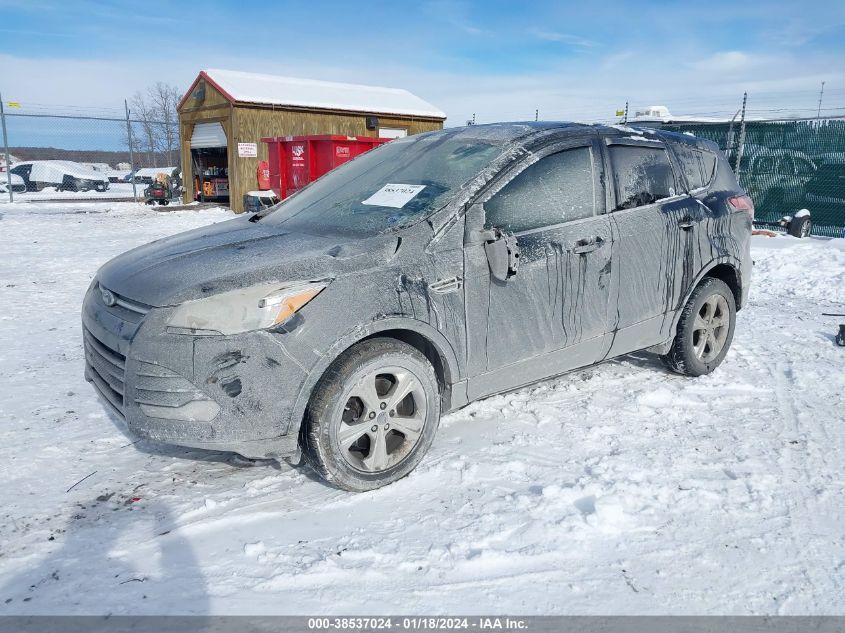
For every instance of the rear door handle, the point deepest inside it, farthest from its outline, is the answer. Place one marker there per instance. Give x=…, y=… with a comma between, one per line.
x=587, y=245
x=686, y=224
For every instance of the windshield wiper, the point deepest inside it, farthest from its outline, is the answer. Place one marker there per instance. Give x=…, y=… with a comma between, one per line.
x=256, y=217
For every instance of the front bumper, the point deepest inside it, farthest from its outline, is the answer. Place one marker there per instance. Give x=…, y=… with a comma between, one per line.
x=232, y=393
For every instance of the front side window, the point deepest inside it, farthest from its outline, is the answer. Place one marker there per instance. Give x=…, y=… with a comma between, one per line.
x=556, y=189
x=641, y=175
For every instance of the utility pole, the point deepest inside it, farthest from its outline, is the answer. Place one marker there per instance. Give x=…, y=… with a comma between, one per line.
x=738, y=167
x=625, y=120
x=821, y=95
x=131, y=152
x=6, y=149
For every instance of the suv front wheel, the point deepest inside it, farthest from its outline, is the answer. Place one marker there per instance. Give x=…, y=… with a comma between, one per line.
x=373, y=415
x=705, y=329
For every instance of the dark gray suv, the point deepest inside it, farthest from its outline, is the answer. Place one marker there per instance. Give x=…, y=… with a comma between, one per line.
x=423, y=275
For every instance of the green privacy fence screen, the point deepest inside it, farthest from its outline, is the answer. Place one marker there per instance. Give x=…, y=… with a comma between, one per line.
x=786, y=166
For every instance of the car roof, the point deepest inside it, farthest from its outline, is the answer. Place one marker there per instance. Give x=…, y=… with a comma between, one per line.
x=525, y=132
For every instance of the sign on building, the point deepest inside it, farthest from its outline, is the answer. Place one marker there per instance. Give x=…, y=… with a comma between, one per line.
x=248, y=150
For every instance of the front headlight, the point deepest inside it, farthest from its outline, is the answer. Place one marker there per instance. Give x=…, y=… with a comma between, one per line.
x=242, y=310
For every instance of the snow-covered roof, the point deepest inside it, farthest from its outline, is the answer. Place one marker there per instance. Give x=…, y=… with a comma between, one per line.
x=312, y=93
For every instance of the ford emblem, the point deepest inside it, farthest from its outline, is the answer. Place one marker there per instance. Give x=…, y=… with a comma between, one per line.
x=108, y=297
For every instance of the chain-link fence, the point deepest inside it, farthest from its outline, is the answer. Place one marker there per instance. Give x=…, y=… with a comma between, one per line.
x=73, y=156
x=786, y=166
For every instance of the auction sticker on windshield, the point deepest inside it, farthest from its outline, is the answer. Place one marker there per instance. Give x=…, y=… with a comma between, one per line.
x=393, y=195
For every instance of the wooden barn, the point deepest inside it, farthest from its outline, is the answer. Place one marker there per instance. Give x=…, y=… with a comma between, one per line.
x=225, y=113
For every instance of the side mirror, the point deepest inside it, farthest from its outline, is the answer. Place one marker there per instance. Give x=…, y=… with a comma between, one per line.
x=502, y=253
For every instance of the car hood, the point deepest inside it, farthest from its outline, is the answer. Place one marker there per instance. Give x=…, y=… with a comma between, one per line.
x=235, y=254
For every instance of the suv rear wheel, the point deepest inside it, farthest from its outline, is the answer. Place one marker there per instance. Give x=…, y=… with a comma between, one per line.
x=705, y=329
x=373, y=415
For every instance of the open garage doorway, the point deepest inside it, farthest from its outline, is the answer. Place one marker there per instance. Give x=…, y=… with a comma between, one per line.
x=210, y=163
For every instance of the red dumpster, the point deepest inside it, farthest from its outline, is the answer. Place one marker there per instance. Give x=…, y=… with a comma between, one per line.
x=297, y=160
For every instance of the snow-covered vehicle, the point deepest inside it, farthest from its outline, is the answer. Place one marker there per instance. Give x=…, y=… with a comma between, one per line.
x=425, y=274
x=63, y=175
x=18, y=185
x=117, y=175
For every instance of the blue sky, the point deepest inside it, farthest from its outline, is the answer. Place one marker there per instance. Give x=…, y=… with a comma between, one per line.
x=499, y=60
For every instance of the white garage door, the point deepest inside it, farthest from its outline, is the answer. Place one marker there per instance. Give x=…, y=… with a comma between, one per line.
x=208, y=135
x=392, y=132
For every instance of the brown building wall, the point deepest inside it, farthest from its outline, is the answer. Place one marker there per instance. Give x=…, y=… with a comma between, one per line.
x=251, y=124
x=244, y=123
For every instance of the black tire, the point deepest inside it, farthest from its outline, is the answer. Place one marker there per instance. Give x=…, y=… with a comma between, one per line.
x=800, y=227
x=335, y=409
x=690, y=354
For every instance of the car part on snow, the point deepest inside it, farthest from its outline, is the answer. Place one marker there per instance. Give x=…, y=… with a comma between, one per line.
x=373, y=415
x=502, y=253
x=705, y=329
x=801, y=224
x=798, y=225
x=255, y=201
x=840, y=336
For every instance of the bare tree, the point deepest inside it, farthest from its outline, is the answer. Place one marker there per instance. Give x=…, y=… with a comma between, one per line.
x=156, y=128
x=144, y=113
x=164, y=99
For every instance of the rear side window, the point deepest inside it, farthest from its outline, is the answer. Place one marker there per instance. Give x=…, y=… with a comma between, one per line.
x=556, y=189
x=708, y=165
x=641, y=175
x=698, y=165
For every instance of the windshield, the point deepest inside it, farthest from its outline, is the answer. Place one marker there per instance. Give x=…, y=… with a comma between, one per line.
x=389, y=187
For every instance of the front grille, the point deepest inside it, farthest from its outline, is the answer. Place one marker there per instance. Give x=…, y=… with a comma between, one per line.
x=106, y=368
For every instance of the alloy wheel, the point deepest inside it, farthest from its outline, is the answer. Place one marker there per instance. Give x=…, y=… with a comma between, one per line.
x=710, y=328
x=382, y=419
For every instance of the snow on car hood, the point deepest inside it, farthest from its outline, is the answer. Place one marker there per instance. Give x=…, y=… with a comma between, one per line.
x=235, y=254
x=54, y=171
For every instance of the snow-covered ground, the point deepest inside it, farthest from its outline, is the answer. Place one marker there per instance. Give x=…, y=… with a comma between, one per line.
x=115, y=190
x=616, y=489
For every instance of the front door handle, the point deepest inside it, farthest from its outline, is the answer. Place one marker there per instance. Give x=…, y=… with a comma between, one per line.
x=686, y=224
x=587, y=245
